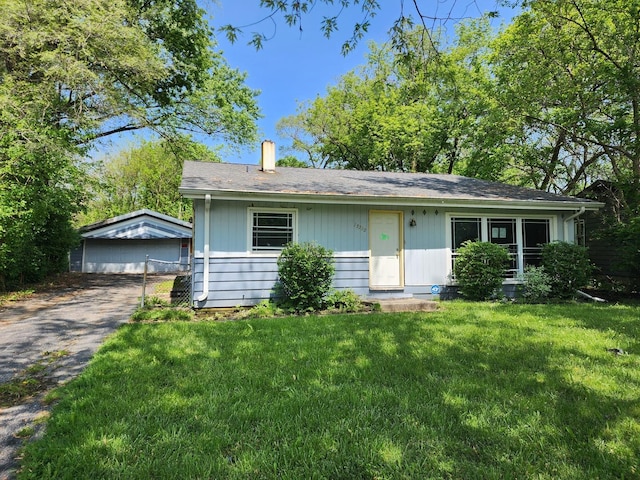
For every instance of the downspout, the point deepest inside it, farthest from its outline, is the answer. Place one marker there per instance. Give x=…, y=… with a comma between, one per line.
x=567, y=220
x=207, y=220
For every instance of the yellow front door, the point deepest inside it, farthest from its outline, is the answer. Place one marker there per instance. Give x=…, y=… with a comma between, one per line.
x=386, y=253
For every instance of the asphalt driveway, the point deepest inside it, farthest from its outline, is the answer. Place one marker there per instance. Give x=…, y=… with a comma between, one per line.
x=62, y=328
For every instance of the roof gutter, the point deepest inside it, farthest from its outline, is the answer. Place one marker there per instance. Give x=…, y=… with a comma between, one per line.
x=207, y=240
x=568, y=219
x=342, y=199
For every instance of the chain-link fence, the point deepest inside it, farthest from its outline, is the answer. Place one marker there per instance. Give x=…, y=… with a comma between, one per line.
x=173, y=290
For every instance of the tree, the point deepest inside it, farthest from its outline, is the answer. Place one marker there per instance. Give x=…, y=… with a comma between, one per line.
x=145, y=176
x=75, y=72
x=111, y=67
x=39, y=191
x=294, y=13
x=418, y=113
x=291, y=161
x=568, y=70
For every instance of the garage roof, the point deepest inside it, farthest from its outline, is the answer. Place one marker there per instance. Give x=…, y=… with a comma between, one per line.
x=139, y=225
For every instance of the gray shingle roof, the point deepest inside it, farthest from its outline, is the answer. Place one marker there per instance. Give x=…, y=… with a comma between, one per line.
x=227, y=179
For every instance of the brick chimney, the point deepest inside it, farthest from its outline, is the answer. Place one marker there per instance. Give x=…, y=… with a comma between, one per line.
x=268, y=156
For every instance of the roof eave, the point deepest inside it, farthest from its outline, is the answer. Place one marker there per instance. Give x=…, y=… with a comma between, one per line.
x=390, y=201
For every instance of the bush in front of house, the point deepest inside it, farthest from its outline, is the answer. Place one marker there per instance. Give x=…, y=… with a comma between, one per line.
x=627, y=237
x=536, y=284
x=305, y=273
x=568, y=266
x=479, y=269
x=345, y=301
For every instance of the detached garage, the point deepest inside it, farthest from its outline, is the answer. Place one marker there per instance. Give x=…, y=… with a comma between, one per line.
x=121, y=244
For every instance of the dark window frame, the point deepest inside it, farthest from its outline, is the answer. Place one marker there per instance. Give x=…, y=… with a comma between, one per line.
x=270, y=229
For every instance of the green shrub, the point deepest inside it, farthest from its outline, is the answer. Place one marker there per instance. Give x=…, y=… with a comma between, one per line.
x=346, y=301
x=627, y=237
x=568, y=266
x=479, y=269
x=264, y=309
x=536, y=284
x=305, y=273
x=155, y=314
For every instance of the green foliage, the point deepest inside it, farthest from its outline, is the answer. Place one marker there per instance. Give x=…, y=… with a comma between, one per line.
x=294, y=11
x=40, y=188
x=159, y=311
x=75, y=72
x=146, y=176
x=422, y=113
x=627, y=237
x=111, y=67
x=346, y=301
x=536, y=284
x=568, y=266
x=570, y=81
x=291, y=161
x=305, y=273
x=264, y=309
x=479, y=269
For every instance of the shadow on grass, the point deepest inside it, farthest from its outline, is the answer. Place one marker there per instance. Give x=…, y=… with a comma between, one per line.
x=498, y=393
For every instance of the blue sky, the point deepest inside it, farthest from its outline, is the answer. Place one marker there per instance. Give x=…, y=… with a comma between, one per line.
x=295, y=66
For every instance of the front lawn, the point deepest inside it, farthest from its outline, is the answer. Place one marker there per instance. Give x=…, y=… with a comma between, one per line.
x=472, y=391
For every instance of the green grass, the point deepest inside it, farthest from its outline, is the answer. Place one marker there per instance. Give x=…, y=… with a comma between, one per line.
x=8, y=297
x=472, y=391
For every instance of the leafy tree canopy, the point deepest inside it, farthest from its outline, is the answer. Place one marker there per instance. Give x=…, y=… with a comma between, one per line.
x=75, y=72
x=291, y=161
x=101, y=67
x=551, y=102
x=145, y=176
x=395, y=113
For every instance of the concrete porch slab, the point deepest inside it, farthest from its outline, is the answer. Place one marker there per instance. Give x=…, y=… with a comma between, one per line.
x=403, y=304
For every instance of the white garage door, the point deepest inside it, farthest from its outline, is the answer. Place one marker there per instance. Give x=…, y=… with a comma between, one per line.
x=128, y=256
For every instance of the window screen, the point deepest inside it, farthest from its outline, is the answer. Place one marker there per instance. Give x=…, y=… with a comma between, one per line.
x=271, y=230
x=463, y=229
x=535, y=234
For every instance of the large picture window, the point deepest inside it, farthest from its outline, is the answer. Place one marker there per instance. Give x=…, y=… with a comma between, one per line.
x=522, y=237
x=271, y=229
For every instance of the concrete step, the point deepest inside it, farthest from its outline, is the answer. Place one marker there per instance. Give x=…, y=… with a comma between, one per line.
x=403, y=304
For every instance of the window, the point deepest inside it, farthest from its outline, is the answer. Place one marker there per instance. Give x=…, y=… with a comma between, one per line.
x=462, y=230
x=271, y=229
x=522, y=237
x=535, y=233
x=502, y=231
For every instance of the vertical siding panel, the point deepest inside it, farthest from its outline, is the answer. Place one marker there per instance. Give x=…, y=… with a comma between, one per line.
x=198, y=225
